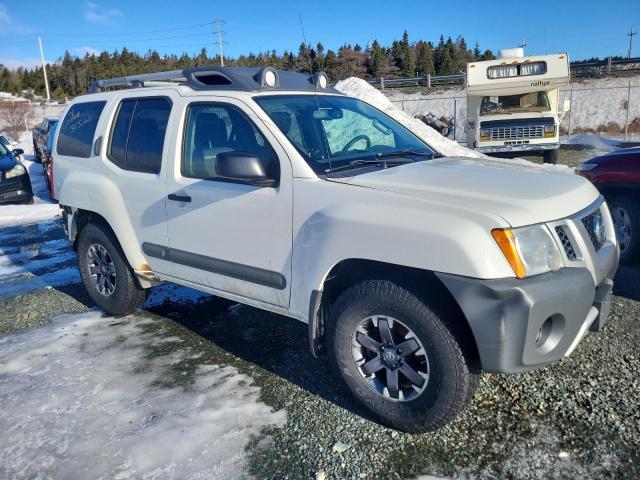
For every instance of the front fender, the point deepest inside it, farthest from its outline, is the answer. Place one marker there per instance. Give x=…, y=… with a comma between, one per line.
x=389, y=228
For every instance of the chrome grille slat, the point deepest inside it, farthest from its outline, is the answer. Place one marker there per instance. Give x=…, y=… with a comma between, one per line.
x=506, y=133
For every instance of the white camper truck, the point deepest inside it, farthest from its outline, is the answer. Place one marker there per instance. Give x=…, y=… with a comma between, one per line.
x=513, y=104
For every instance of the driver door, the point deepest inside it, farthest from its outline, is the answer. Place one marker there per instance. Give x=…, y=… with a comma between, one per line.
x=230, y=236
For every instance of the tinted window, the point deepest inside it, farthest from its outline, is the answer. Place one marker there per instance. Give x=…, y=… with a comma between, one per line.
x=137, y=139
x=213, y=129
x=78, y=129
x=120, y=133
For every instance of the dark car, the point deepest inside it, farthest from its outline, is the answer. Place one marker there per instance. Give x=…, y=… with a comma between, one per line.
x=617, y=176
x=47, y=160
x=41, y=136
x=15, y=184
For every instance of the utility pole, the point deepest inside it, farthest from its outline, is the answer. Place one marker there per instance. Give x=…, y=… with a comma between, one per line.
x=304, y=37
x=630, y=35
x=44, y=70
x=218, y=24
x=522, y=44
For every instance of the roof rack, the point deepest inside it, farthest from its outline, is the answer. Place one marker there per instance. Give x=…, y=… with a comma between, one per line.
x=224, y=78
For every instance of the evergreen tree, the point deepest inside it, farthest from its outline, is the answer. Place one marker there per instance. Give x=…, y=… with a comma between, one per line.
x=424, y=60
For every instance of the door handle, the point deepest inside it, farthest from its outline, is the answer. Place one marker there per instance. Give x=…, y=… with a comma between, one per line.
x=179, y=198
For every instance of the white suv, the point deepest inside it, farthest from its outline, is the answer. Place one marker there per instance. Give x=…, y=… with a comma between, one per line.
x=414, y=272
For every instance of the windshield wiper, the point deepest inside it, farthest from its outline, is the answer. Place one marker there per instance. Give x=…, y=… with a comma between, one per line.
x=354, y=163
x=402, y=153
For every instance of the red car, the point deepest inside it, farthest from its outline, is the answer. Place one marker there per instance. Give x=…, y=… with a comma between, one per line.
x=617, y=176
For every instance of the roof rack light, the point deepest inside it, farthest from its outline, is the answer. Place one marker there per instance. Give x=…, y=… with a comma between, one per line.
x=320, y=80
x=267, y=77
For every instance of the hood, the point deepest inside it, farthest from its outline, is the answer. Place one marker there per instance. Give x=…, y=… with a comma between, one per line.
x=7, y=162
x=519, y=193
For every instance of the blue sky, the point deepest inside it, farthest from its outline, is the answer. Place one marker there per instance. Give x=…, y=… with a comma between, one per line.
x=583, y=28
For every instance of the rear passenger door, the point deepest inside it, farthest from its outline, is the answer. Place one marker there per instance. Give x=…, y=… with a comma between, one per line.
x=136, y=145
x=231, y=236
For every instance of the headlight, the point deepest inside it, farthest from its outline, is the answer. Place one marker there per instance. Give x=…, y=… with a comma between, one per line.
x=484, y=134
x=16, y=171
x=586, y=167
x=529, y=250
x=549, y=130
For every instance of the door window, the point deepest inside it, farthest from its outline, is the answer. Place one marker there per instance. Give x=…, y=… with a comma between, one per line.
x=137, y=138
x=213, y=129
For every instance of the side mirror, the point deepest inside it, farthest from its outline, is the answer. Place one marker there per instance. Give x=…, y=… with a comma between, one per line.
x=17, y=152
x=243, y=167
x=566, y=106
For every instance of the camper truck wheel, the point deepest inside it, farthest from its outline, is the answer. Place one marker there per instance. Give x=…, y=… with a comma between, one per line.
x=550, y=156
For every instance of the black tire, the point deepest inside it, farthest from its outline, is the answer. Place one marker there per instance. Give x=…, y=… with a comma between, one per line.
x=128, y=295
x=626, y=219
x=36, y=153
x=45, y=166
x=452, y=377
x=550, y=156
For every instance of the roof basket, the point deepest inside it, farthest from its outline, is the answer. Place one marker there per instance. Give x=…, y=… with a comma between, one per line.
x=223, y=78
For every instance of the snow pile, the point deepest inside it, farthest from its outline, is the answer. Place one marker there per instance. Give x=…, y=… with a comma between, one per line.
x=358, y=88
x=89, y=396
x=598, y=102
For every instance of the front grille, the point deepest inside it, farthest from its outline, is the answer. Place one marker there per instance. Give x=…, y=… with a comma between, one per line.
x=595, y=228
x=569, y=250
x=507, y=133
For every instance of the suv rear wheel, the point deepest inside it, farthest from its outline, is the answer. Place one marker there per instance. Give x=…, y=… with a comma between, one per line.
x=105, y=273
x=398, y=358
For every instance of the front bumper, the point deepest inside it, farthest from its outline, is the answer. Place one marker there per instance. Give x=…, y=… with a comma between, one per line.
x=523, y=324
x=514, y=146
x=16, y=189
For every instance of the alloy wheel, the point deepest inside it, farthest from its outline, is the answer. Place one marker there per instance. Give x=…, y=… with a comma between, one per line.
x=101, y=269
x=390, y=358
x=622, y=223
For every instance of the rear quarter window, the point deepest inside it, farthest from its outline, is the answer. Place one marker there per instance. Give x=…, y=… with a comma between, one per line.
x=78, y=129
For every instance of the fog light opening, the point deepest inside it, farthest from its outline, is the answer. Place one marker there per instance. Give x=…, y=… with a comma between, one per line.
x=549, y=334
x=544, y=331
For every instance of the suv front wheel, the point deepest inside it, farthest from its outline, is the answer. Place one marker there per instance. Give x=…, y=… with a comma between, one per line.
x=397, y=357
x=105, y=273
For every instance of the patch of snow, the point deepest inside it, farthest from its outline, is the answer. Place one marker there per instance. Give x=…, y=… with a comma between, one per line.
x=597, y=144
x=174, y=293
x=23, y=214
x=88, y=396
x=28, y=282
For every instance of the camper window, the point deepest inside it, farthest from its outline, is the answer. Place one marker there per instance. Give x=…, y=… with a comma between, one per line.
x=517, y=70
x=525, y=102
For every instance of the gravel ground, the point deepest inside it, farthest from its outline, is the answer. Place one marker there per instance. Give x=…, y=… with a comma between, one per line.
x=577, y=418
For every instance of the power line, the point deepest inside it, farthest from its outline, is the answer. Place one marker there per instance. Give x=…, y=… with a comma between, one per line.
x=146, y=32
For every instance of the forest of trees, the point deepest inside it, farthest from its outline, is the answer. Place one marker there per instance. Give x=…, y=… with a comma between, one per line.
x=71, y=75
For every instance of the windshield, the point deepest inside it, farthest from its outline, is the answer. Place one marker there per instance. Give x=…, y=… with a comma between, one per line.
x=3, y=150
x=525, y=102
x=332, y=132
